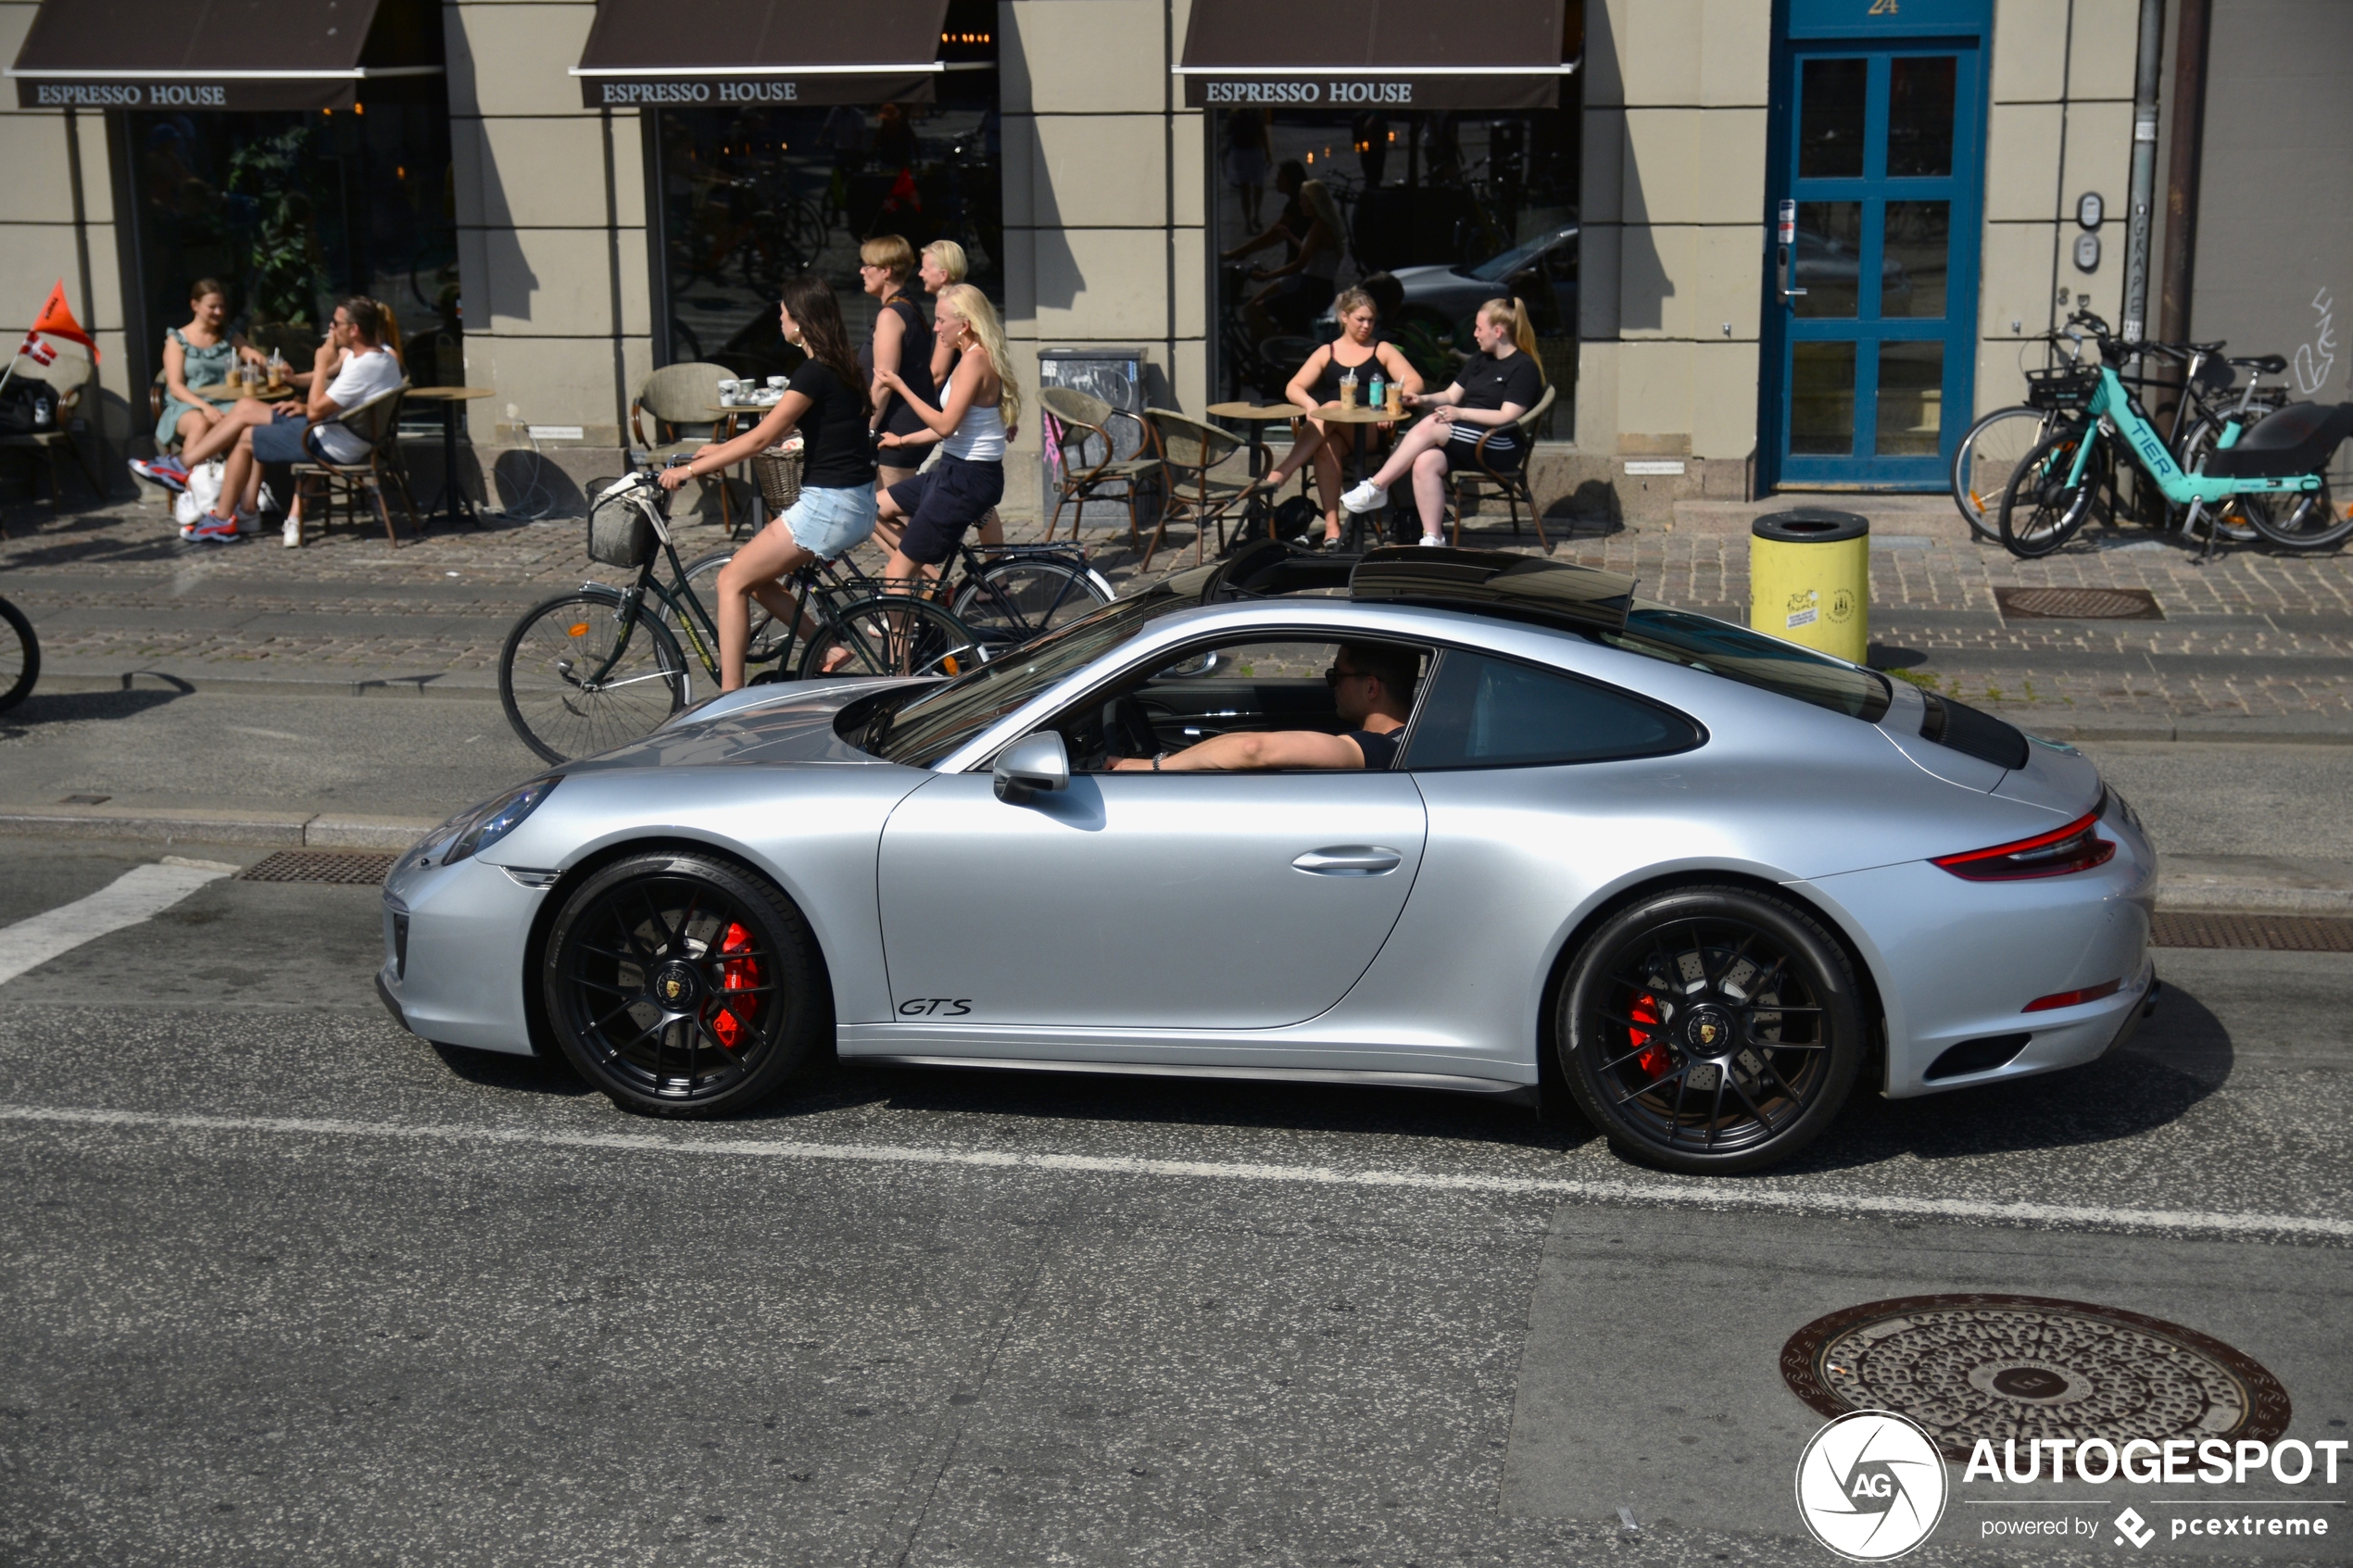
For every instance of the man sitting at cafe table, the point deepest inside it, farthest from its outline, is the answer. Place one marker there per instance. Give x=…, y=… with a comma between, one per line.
x=1372, y=687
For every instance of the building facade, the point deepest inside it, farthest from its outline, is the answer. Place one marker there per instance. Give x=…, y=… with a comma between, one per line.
x=559, y=197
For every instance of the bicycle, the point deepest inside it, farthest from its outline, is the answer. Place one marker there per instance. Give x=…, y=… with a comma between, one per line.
x=20, y=657
x=597, y=667
x=2057, y=481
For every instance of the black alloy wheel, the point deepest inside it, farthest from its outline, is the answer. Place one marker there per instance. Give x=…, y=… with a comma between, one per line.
x=1711, y=1030
x=684, y=984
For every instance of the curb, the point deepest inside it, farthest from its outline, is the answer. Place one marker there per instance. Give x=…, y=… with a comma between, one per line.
x=261, y=829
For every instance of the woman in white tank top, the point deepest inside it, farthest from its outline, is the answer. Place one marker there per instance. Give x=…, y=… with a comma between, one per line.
x=925, y=517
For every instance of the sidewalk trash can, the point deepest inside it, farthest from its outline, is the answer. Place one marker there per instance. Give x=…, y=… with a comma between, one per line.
x=1809, y=580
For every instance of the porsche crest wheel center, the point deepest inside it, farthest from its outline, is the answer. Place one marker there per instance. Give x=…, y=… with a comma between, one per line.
x=1707, y=1031
x=1966, y=1367
x=676, y=985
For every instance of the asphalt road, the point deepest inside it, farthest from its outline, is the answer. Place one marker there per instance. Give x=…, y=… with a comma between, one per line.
x=286, y=1285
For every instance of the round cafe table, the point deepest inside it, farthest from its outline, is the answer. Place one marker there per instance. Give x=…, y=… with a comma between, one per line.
x=1359, y=414
x=1262, y=456
x=455, y=502
x=221, y=392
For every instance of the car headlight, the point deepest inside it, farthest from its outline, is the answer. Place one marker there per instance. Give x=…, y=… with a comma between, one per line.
x=498, y=819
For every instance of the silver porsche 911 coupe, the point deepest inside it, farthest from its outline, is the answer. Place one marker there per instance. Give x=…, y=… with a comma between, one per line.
x=1701, y=881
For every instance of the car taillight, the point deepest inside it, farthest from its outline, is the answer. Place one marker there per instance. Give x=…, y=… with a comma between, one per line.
x=2076, y=847
x=2073, y=998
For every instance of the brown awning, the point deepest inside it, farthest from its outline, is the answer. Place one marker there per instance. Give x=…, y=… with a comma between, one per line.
x=1374, y=54
x=224, y=55
x=688, y=54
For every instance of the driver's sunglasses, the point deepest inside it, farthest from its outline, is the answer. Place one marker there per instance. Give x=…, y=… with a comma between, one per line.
x=1335, y=675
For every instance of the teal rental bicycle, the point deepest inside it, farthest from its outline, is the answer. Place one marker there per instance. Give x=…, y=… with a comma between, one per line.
x=2287, y=473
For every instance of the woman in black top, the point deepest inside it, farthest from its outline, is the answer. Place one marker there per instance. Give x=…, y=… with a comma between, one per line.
x=826, y=402
x=1357, y=348
x=901, y=343
x=1502, y=382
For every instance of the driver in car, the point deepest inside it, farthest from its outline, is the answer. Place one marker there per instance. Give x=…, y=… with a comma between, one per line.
x=1373, y=691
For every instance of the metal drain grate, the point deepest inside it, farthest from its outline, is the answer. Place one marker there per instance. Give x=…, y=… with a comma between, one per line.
x=353, y=867
x=1967, y=1367
x=2078, y=604
x=2276, y=933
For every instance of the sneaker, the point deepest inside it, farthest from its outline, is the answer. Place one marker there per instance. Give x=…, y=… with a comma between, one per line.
x=1434, y=541
x=267, y=501
x=1365, y=498
x=292, y=534
x=173, y=478
x=214, y=529
x=1311, y=540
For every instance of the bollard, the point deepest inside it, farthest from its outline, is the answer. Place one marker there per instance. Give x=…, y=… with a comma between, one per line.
x=1809, y=580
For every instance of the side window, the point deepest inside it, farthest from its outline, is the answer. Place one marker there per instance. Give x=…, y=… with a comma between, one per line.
x=1486, y=712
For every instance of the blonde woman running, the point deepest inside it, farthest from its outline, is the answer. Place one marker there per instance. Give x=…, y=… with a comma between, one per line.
x=981, y=412
x=1502, y=382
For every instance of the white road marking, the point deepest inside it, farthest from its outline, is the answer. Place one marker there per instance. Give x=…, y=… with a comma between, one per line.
x=266, y=734
x=1719, y=1196
x=140, y=893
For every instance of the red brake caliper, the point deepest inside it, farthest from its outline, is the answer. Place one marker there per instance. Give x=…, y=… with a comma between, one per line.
x=1654, y=1061
x=735, y=974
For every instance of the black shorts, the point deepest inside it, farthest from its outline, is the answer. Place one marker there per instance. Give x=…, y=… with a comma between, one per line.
x=1462, y=457
x=942, y=502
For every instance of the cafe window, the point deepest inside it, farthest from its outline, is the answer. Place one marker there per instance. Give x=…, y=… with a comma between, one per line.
x=294, y=210
x=752, y=195
x=1458, y=207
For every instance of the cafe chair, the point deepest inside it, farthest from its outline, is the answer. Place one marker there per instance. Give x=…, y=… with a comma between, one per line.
x=1188, y=451
x=1511, y=484
x=679, y=400
x=377, y=422
x=45, y=445
x=1084, y=419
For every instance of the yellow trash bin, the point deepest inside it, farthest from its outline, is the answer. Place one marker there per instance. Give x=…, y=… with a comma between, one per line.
x=1809, y=580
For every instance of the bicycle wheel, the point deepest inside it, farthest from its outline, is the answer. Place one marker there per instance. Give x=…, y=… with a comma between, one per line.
x=769, y=641
x=1988, y=455
x=20, y=656
x=892, y=634
x=1011, y=601
x=2315, y=519
x=550, y=679
x=2041, y=509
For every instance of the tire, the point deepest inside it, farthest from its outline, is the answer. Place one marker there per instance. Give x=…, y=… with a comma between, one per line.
x=1698, y=958
x=2041, y=510
x=556, y=644
x=20, y=657
x=768, y=639
x=752, y=1011
x=1014, y=600
x=894, y=635
x=1988, y=455
x=2314, y=521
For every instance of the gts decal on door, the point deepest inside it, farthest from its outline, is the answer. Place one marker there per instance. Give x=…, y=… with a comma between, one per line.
x=925, y=1007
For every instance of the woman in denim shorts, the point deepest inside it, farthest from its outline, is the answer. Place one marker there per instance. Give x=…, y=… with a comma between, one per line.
x=826, y=402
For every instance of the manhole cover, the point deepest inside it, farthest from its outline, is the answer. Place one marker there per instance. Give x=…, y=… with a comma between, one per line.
x=1967, y=1367
x=2078, y=604
x=356, y=867
x=2277, y=934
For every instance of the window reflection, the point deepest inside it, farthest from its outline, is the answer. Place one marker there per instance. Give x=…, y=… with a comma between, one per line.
x=1821, y=418
x=1830, y=244
x=1829, y=126
x=1920, y=117
x=1918, y=238
x=1911, y=399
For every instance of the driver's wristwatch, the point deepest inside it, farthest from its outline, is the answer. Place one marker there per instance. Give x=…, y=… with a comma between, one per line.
x=1156, y=757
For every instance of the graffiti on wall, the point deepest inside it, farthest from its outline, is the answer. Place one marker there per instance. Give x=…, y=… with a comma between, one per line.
x=2316, y=360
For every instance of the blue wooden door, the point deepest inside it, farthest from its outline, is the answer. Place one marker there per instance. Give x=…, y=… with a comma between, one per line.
x=1879, y=144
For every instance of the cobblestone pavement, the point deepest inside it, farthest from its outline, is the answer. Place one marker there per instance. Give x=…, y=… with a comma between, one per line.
x=2253, y=635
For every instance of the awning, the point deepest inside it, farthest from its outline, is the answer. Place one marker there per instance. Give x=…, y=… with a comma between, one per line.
x=224, y=55
x=688, y=54
x=1374, y=54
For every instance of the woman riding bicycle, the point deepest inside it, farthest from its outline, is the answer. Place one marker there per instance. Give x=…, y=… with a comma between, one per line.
x=826, y=402
x=925, y=517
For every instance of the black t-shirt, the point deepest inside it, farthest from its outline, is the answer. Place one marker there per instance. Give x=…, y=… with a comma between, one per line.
x=914, y=368
x=1489, y=382
x=1379, y=749
x=835, y=428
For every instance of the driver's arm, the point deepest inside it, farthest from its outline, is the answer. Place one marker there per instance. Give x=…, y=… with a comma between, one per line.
x=1255, y=748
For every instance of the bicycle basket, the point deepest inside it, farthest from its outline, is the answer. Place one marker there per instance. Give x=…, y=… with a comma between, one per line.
x=2061, y=386
x=620, y=531
x=778, y=473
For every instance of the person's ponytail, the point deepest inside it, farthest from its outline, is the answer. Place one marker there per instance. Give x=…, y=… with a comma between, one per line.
x=1512, y=314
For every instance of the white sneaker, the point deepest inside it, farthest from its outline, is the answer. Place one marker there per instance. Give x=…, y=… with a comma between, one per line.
x=292, y=534
x=1433, y=540
x=1365, y=498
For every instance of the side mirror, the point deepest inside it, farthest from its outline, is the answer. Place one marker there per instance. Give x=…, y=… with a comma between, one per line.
x=1030, y=764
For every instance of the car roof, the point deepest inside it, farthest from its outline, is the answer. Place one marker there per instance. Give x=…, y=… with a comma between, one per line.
x=1489, y=582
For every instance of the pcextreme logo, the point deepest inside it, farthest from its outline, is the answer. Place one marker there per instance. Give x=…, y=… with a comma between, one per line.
x=1871, y=1485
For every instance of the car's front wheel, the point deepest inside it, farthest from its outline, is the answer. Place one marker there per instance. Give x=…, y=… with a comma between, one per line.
x=1711, y=1030
x=683, y=985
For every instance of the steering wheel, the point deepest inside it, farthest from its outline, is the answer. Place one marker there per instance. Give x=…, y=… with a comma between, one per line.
x=1127, y=732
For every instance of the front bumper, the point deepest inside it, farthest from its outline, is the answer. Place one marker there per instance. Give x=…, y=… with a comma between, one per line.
x=460, y=980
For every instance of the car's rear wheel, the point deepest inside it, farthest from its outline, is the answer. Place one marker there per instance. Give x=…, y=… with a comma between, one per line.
x=682, y=985
x=1711, y=1030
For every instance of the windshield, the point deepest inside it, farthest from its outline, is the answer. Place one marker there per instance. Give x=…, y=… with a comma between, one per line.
x=1496, y=269
x=1753, y=659
x=934, y=721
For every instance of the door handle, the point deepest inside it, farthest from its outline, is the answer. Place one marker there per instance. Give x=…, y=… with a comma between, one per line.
x=1349, y=860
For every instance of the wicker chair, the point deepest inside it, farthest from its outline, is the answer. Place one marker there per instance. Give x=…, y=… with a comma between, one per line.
x=679, y=399
x=1117, y=479
x=1189, y=450
x=377, y=422
x=1511, y=484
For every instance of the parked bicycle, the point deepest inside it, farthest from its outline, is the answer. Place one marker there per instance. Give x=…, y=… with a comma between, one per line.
x=597, y=667
x=2285, y=472
x=20, y=657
